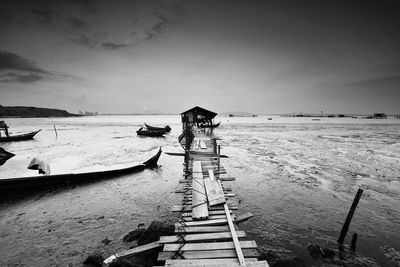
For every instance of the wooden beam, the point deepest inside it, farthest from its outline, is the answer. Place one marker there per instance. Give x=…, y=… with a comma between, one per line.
x=199, y=205
x=234, y=236
x=200, y=237
x=243, y=217
x=204, y=262
x=132, y=252
x=204, y=222
x=201, y=229
x=207, y=254
x=209, y=246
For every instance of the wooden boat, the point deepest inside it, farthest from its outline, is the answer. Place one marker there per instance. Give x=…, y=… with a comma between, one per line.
x=147, y=132
x=5, y=155
x=209, y=125
x=152, y=128
x=36, y=181
x=19, y=137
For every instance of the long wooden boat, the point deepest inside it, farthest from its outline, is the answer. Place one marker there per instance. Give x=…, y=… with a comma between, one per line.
x=37, y=181
x=19, y=137
x=152, y=128
x=5, y=155
x=209, y=125
x=147, y=132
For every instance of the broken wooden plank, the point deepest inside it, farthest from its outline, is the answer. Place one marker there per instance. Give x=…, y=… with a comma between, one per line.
x=200, y=237
x=243, y=217
x=132, y=251
x=207, y=254
x=209, y=246
x=215, y=194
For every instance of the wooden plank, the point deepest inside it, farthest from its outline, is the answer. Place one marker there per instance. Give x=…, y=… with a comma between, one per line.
x=203, y=144
x=210, y=212
x=209, y=246
x=204, y=262
x=200, y=237
x=215, y=195
x=207, y=254
x=133, y=251
x=203, y=222
x=243, y=217
x=199, y=205
x=184, y=208
x=227, y=179
x=211, y=217
x=201, y=229
x=234, y=237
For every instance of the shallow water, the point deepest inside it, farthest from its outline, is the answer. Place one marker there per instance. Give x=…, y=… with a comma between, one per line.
x=296, y=175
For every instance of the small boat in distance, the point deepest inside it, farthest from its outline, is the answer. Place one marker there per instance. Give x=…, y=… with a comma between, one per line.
x=146, y=132
x=18, y=137
x=152, y=128
x=209, y=125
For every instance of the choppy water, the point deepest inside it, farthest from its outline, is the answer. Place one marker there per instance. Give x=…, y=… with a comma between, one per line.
x=296, y=175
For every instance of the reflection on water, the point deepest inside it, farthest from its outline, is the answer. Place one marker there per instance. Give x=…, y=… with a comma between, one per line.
x=296, y=175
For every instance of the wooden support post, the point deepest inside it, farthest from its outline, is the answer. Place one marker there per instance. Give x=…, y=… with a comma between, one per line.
x=219, y=157
x=346, y=224
x=55, y=130
x=353, y=242
x=215, y=145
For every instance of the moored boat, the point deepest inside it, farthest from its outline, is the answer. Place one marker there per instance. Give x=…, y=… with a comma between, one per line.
x=36, y=181
x=152, y=128
x=18, y=137
x=209, y=125
x=146, y=132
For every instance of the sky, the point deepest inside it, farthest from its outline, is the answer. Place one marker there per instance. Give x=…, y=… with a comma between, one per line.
x=335, y=56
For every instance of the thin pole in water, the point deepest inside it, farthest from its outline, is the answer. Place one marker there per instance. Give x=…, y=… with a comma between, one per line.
x=55, y=130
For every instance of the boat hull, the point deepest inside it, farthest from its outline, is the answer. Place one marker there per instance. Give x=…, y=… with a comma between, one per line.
x=69, y=178
x=20, y=137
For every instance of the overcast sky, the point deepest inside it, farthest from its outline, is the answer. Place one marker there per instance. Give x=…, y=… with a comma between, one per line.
x=256, y=56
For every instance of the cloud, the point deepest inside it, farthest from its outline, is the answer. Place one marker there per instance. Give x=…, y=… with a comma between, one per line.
x=11, y=61
x=77, y=23
x=82, y=39
x=111, y=45
x=43, y=9
x=21, y=77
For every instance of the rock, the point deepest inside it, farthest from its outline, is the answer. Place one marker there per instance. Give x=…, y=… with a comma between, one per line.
x=154, y=231
x=294, y=262
x=95, y=259
x=315, y=251
x=328, y=253
x=133, y=235
x=106, y=241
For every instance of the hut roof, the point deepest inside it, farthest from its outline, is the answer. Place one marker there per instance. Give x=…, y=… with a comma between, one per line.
x=201, y=111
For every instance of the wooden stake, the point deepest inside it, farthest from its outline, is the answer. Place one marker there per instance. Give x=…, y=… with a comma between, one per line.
x=55, y=130
x=346, y=224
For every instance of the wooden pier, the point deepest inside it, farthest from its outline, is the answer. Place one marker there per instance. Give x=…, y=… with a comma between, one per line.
x=206, y=233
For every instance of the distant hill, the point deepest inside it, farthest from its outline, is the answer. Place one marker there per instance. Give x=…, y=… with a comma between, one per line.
x=33, y=112
x=237, y=114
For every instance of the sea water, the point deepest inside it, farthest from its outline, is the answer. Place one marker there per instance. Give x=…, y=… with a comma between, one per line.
x=297, y=176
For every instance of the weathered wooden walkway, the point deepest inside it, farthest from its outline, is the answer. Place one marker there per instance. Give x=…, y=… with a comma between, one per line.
x=207, y=233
